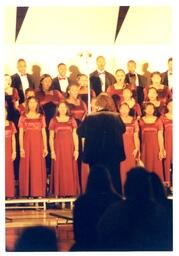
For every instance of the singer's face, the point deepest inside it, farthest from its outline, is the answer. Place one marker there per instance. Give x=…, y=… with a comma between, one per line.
x=46, y=83
x=21, y=66
x=62, y=69
x=156, y=79
x=83, y=81
x=120, y=76
x=32, y=105
x=62, y=109
x=7, y=81
x=124, y=110
x=100, y=63
x=131, y=66
x=149, y=110
x=152, y=94
x=73, y=92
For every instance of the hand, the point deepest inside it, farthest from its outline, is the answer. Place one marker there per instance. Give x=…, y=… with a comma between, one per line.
x=13, y=156
x=136, y=154
x=161, y=155
x=53, y=155
x=45, y=152
x=76, y=154
x=22, y=153
x=164, y=153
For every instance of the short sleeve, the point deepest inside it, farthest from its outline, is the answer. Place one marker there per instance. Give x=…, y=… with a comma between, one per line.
x=74, y=123
x=43, y=121
x=21, y=123
x=52, y=125
x=13, y=128
x=160, y=124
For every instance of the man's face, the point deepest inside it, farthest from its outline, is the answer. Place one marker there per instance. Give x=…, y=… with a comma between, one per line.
x=21, y=67
x=62, y=70
x=131, y=66
x=100, y=63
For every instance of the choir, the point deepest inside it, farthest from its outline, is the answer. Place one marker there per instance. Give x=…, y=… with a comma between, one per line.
x=41, y=124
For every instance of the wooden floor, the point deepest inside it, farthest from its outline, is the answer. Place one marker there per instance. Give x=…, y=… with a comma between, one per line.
x=16, y=220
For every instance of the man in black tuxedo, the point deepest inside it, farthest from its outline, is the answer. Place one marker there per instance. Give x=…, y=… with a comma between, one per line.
x=103, y=141
x=167, y=76
x=61, y=81
x=100, y=79
x=135, y=79
x=21, y=80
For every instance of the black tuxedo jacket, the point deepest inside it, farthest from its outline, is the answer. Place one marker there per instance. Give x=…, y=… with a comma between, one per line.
x=95, y=82
x=56, y=84
x=139, y=89
x=16, y=83
x=103, y=138
x=165, y=78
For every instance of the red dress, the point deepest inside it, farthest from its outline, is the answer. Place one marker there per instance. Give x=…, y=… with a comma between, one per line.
x=9, y=176
x=129, y=146
x=163, y=94
x=168, y=140
x=150, y=146
x=32, y=172
x=64, y=175
x=111, y=90
x=78, y=111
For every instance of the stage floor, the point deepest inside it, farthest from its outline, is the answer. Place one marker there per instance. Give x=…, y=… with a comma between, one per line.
x=19, y=219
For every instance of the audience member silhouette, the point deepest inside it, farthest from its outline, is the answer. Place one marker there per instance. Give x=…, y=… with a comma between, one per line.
x=138, y=223
x=90, y=206
x=37, y=239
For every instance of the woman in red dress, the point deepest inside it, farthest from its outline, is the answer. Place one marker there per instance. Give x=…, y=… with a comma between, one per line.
x=152, y=150
x=82, y=80
x=64, y=153
x=33, y=150
x=152, y=96
x=78, y=110
x=168, y=140
x=135, y=109
x=11, y=99
x=10, y=155
x=29, y=92
x=131, y=142
x=164, y=93
x=116, y=90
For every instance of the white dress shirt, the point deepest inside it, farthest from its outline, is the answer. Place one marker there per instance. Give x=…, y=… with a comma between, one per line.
x=24, y=81
x=170, y=79
x=102, y=78
x=63, y=81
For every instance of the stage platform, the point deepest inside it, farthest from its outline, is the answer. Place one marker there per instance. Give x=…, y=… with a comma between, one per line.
x=38, y=203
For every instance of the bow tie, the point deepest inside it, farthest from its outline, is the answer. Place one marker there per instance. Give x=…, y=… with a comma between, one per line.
x=62, y=78
x=102, y=73
x=23, y=74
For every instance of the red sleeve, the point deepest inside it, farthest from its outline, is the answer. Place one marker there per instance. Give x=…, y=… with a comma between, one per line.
x=43, y=121
x=145, y=91
x=85, y=108
x=13, y=128
x=52, y=124
x=21, y=123
x=109, y=90
x=15, y=95
x=59, y=94
x=138, y=109
x=74, y=123
x=160, y=124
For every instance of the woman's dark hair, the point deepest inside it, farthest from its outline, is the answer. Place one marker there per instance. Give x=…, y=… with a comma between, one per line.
x=27, y=104
x=120, y=70
x=138, y=185
x=156, y=73
x=99, y=180
x=37, y=239
x=105, y=102
x=41, y=80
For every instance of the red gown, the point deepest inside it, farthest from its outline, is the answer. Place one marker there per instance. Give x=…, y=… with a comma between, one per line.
x=150, y=146
x=32, y=172
x=163, y=94
x=112, y=91
x=129, y=146
x=64, y=175
x=78, y=111
x=168, y=140
x=9, y=175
